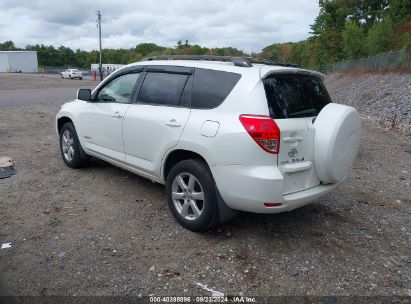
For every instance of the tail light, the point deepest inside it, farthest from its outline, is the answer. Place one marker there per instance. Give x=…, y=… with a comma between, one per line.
x=263, y=130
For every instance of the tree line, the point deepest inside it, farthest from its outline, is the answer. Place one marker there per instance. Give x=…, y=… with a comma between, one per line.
x=344, y=29
x=348, y=29
x=66, y=57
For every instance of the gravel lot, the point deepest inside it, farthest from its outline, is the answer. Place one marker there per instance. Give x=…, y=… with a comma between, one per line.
x=384, y=98
x=28, y=89
x=104, y=231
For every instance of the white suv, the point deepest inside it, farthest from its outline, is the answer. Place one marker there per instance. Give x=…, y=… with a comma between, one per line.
x=222, y=133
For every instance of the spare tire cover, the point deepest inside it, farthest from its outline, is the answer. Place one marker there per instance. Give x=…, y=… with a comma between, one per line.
x=336, y=141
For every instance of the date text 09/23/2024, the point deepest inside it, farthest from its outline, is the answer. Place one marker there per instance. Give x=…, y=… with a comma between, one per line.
x=202, y=299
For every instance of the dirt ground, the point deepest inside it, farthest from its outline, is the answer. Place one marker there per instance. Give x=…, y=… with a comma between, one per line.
x=27, y=89
x=104, y=231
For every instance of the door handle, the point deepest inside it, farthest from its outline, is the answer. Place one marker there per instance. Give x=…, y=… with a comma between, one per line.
x=117, y=115
x=173, y=123
x=292, y=139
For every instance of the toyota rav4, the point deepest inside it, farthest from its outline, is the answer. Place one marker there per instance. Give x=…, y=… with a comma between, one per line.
x=222, y=133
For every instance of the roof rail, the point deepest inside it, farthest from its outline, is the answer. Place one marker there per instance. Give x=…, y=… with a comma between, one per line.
x=268, y=62
x=238, y=61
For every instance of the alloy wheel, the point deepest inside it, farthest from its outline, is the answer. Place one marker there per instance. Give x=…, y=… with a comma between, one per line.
x=67, y=144
x=188, y=196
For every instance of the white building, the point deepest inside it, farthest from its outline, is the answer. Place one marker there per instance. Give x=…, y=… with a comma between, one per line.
x=107, y=67
x=16, y=61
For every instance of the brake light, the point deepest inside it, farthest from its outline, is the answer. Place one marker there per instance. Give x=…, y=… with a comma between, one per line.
x=263, y=130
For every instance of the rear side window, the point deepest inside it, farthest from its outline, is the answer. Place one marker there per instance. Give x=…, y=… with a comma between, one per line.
x=291, y=96
x=162, y=89
x=211, y=88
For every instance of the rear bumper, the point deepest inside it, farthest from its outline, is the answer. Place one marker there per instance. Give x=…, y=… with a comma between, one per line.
x=248, y=188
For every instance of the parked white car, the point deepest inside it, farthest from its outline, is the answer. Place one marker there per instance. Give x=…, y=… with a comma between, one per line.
x=72, y=74
x=223, y=134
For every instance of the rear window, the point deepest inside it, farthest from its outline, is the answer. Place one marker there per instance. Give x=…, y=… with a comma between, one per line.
x=211, y=88
x=291, y=96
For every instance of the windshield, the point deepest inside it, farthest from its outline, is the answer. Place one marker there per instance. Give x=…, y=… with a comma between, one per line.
x=293, y=95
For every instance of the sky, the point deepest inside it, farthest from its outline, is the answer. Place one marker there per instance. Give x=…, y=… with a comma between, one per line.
x=248, y=25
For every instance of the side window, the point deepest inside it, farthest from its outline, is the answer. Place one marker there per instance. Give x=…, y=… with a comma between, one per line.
x=211, y=88
x=162, y=89
x=119, y=90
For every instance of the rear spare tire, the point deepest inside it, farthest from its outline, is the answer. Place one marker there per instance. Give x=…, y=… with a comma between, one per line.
x=336, y=142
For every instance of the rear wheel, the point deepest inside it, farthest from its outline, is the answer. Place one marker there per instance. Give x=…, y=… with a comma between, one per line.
x=70, y=147
x=191, y=195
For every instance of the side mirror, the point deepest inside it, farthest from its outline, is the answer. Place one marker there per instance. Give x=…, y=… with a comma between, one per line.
x=84, y=94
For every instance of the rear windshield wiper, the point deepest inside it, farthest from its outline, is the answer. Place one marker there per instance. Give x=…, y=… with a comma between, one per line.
x=313, y=112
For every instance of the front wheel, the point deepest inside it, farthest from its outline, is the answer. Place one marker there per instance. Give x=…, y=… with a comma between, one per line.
x=191, y=195
x=70, y=147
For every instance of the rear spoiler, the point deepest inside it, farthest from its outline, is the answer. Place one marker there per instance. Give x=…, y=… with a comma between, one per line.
x=265, y=72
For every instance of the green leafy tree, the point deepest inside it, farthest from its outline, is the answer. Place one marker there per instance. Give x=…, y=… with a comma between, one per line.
x=8, y=46
x=67, y=57
x=379, y=36
x=354, y=39
x=271, y=52
x=367, y=12
x=134, y=57
x=146, y=48
x=399, y=11
x=327, y=29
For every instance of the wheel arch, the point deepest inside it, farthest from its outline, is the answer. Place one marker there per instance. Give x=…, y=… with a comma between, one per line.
x=61, y=121
x=178, y=155
x=225, y=213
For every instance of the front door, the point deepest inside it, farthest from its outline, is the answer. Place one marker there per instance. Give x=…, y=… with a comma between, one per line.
x=102, y=120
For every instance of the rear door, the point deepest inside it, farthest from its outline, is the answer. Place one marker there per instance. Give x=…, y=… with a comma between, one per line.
x=294, y=100
x=154, y=122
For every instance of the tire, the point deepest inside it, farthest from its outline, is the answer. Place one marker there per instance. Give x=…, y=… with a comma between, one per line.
x=70, y=76
x=70, y=148
x=81, y=78
x=203, y=183
x=336, y=141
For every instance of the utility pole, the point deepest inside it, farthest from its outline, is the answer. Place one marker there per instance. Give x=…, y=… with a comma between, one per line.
x=100, y=67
